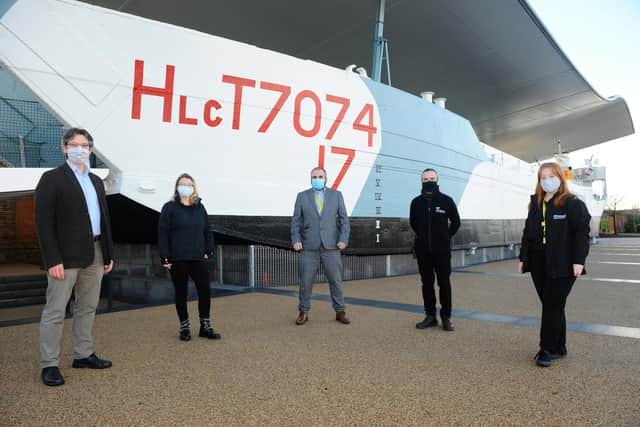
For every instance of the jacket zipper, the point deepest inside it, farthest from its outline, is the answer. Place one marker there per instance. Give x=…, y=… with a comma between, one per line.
x=429, y=221
x=549, y=248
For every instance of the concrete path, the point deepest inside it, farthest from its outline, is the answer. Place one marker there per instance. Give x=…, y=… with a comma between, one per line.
x=379, y=370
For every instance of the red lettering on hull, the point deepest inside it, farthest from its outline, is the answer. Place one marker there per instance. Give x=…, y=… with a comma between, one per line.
x=139, y=89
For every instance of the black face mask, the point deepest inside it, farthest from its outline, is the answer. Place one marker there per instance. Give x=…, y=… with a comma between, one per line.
x=428, y=188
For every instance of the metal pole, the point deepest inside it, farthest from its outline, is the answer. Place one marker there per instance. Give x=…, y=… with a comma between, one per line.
x=387, y=266
x=220, y=271
x=378, y=42
x=107, y=278
x=386, y=50
x=23, y=156
x=252, y=266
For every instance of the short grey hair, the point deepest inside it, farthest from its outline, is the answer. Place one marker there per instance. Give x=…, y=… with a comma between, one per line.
x=318, y=168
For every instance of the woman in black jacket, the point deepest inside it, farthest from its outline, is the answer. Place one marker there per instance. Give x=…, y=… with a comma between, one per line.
x=185, y=243
x=555, y=244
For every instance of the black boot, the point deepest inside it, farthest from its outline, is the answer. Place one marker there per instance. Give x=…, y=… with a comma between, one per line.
x=428, y=322
x=446, y=324
x=185, y=333
x=206, y=331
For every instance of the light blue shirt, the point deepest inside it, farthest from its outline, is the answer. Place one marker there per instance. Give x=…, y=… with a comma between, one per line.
x=90, y=195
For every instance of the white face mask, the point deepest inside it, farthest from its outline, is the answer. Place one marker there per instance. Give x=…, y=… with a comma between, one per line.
x=550, y=185
x=78, y=154
x=185, y=190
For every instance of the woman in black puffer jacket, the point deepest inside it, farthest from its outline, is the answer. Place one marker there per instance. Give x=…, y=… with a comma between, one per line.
x=555, y=244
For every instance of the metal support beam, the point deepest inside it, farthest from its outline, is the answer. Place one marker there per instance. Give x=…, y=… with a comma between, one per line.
x=219, y=259
x=23, y=154
x=252, y=266
x=378, y=43
x=386, y=60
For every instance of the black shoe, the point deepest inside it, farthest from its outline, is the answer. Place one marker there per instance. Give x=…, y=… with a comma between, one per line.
x=92, y=362
x=51, y=376
x=185, y=333
x=562, y=351
x=206, y=331
x=559, y=354
x=428, y=322
x=446, y=324
x=543, y=358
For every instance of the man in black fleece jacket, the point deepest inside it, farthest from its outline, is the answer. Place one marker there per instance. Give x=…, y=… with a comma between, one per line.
x=434, y=218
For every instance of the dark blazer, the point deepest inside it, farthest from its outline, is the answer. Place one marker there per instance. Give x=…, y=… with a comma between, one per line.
x=313, y=229
x=567, y=236
x=434, y=221
x=62, y=220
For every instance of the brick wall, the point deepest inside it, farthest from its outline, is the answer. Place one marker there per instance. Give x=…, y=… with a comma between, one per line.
x=18, y=240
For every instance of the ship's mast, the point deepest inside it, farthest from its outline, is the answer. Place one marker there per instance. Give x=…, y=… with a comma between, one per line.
x=380, y=47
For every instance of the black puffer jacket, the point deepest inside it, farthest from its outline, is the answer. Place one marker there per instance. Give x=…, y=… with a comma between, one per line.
x=567, y=235
x=434, y=221
x=184, y=233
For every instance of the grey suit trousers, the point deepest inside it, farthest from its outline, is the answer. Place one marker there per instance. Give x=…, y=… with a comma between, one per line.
x=309, y=264
x=86, y=282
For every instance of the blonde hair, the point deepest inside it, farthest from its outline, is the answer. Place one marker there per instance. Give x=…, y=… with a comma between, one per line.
x=194, y=196
x=563, y=190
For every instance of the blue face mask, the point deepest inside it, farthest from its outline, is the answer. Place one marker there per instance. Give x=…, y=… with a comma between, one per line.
x=185, y=190
x=317, y=183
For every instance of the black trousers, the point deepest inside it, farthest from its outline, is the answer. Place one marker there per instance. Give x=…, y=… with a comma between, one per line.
x=430, y=266
x=553, y=294
x=199, y=272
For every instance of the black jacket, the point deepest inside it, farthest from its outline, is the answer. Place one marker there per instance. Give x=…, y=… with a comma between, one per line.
x=184, y=233
x=567, y=236
x=434, y=221
x=63, y=223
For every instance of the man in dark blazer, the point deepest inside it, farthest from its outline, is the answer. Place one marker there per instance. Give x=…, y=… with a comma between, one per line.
x=73, y=228
x=319, y=231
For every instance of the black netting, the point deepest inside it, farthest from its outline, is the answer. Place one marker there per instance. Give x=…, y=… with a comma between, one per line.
x=29, y=135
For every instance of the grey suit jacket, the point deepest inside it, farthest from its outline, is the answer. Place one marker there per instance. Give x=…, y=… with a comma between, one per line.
x=313, y=229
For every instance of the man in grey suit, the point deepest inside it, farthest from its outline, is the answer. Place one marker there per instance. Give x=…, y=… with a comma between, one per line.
x=319, y=231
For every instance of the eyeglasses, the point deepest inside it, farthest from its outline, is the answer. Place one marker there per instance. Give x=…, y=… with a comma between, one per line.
x=73, y=145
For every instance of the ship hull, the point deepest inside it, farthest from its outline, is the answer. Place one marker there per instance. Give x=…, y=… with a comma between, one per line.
x=249, y=124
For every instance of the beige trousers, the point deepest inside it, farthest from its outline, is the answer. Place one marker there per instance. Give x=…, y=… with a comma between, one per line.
x=86, y=282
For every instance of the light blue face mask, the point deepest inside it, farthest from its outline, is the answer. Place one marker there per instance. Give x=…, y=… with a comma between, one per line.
x=185, y=190
x=317, y=183
x=550, y=185
x=78, y=154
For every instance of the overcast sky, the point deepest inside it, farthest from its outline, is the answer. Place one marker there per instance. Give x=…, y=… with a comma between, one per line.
x=601, y=38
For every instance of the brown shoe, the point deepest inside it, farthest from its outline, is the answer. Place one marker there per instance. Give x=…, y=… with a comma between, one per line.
x=302, y=318
x=342, y=318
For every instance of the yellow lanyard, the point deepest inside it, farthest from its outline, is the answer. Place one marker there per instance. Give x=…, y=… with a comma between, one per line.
x=544, y=222
x=319, y=203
